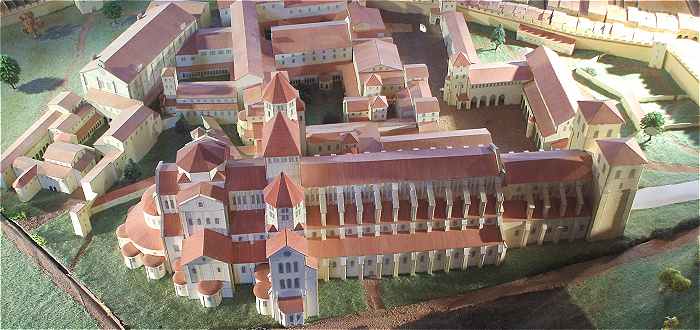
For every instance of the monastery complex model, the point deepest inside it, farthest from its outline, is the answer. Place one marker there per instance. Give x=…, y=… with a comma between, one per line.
x=383, y=193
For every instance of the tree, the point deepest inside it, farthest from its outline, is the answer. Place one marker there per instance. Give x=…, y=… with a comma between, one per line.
x=112, y=10
x=498, y=36
x=9, y=71
x=671, y=323
x=30, y=24
x=132, y=171
x=653, y=124
x=673, y=279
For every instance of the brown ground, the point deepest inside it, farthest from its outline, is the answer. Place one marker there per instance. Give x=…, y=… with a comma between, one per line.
x=406, y=315
x=657, y=166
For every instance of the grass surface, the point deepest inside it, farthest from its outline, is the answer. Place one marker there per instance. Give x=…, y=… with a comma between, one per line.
x=337, y=297
x=665, y=148
x=628, y=297
x=43, y=202
x=511, y=50
x=519, y=263
x=323, y=107
x=51, y=63
x=31, y=300
x=659, y=178
x=643, y=222
x=61, y=241
x=683, y=111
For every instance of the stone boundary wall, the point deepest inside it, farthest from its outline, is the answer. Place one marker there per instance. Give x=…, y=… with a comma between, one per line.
x=688, y=80
x=121, y=195
x=59, y=275
x=39, y=9
x=629, y=102
x=657, y=98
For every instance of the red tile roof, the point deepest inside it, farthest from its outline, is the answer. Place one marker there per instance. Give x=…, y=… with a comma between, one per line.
x=203, y=188
x=393, y=166
x=600, y=112
x=172, y=225
x=167, y=181
x=206, y=89
x=261, y=290
x=486, y=73
x=284, y=238
x=283, y=192
x=301, y=38
x=207, y=243
x=546, y=34
x=555, y=84
x=247, y=221
x=26, y=177
x=281, y=137
x=622, y=151
x=128, y=121
x=378, y=102
x=547, y=166
x=202, y=155
x=460, y=37
x=291, y=305
x=139, y=232
x=245, y=31
x=245, y=174
x=278, y=90
x=245, y=252
x=427, y=105
x=401, y=243
x=416, y=71
x=209, y=288
x=440, y=139
x=376, y=52
x=543, y=119
x=145, y=39
x=363, y=19
x=208, y=38
x=152, y=261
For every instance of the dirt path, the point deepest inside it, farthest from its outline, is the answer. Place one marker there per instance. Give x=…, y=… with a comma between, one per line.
x=81, y=251
x=394, y=317
x=372, y=295
x=658, y=166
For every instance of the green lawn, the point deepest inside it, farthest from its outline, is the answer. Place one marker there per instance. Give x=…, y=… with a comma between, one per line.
x=337, y=297
x=519, y=263
x=511, y=50
x=51, y=63
x=643, y=222
x=683, y=111
x=628, y=297
x=652, y=178
x=61, y=241
x=31, y=300
x=43, y=202
x=323, y=107
x=666, y=148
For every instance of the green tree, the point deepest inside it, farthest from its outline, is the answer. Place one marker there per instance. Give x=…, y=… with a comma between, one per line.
x=182, y=126
x=132, y=171
x=9, y=71
x=112, y=10
x=673, y=279
x=653, y=124
x=671, y=323
x=498, y=36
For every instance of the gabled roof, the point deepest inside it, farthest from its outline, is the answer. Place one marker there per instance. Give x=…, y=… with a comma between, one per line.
x=622, y=151
x=460, y=38
x=128, y=121
x=427, y=105
x=416, y=71
x=554, y=83
x=279, y=90
x=300, y=38
x=285, y=238
x=376, y=52
x=201, y=155
x=281, y=137
x=202, y=188
x=283, y=192
x=374, y=80
x=206, y=243
x=26, y=177
x=600, y=112
x=547, y=166
x=378, y=101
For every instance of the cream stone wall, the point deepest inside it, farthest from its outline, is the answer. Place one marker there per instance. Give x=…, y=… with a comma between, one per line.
x=203, y=212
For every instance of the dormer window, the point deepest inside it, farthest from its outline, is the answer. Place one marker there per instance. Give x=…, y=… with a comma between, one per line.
x=200, y=204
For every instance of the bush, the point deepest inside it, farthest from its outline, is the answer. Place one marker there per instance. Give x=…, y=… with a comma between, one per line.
x=132, y=172
x=673, y=279
x=40, y=240
x=18, y=216
x=671, y=323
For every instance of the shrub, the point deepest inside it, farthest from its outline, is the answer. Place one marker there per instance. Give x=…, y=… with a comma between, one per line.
x=40, y=240
x=673, y=279
x=18, y=216
x=671, y=323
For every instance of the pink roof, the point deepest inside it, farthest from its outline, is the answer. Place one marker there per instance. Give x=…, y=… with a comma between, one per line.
x=211, y=38
x=365, y=19
x=543, y=119
x=281, y=137
x=279, y=90
x=484, y=73
x=128, y=121
x=622, y=151
x=285, y=238
x=460, y=37
x=195, y=8
x=145, y=39
x=427, y=105
x=376, y=52
x=440, y=139
x=392, y=166
x=206, y=243
x=600, y=112
x=26, y=177
x=378, y=102
x=547, y=166
x=247, y=50
x=67, y=100
x=206, y=89
x=546, y=34
x=300, y=38
x=283, y=192
x=96, y=96
x=416, y=71
x=63, y=152
x=202, y=155
x=356, y=104
x=291, y=305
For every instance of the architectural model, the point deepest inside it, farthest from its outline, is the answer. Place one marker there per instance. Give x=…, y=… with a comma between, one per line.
x=384, y=192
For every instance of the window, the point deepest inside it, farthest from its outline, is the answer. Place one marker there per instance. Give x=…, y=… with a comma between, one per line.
x=617, y=174
x=296, y=266
x=199, y=221
x=632, y=174
x=609, y=134
x=200, y=204
x=296, y=283
x=282, y=284
x=208, y=221
x=218, y=269
x=244, y=269
x=216, y=221
x=595, y=134
x=288, y=267
x=281, y=268
x=517, y=233
x=289, y=283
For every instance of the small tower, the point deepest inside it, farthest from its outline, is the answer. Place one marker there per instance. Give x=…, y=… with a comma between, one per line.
x=617, y=166
x=595, y=120
x=281, y=147
x=284, y=203
x=169, y=77
x=279, y=96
